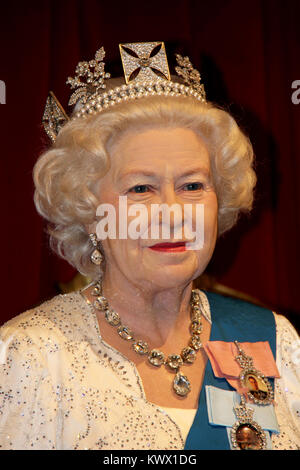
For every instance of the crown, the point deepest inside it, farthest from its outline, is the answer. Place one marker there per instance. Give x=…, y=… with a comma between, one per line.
x=146, y=73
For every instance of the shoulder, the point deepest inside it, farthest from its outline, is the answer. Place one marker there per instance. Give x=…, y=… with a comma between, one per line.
x=58, y=317
x=287, y=387
x=285, y=329
x=241, y=312
x=288, y=343
x=251, y=322
x=228, y=301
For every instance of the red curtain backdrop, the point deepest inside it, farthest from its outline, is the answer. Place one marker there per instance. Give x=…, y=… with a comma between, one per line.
x=248, y=54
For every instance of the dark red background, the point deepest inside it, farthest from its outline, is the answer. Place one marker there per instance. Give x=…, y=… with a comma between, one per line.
x=248, y=53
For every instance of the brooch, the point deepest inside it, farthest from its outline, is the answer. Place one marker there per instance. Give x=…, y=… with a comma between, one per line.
x=246, y=434
x=259, y=389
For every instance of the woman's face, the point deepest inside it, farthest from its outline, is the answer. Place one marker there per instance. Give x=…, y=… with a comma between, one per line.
x=160, y=166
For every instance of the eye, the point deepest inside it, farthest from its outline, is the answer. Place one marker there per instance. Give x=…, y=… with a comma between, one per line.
x=193, y=186
x=140, y=188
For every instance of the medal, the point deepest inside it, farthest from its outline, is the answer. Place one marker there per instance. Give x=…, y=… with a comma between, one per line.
x=259, y=389
x=246, y=434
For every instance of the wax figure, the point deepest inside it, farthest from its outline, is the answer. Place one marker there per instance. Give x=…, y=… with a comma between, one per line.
x=140, y=358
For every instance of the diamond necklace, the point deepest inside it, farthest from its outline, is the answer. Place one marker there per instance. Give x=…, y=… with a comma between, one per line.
x=173, y=362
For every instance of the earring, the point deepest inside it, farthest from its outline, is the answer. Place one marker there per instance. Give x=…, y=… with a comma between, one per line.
x=96, y=256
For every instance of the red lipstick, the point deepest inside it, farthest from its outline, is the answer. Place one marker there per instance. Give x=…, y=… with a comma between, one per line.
x=169, y=247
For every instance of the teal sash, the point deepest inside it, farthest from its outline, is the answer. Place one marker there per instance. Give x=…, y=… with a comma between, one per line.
x=232, y=319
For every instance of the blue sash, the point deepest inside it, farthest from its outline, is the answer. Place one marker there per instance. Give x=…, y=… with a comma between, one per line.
x=232, y=319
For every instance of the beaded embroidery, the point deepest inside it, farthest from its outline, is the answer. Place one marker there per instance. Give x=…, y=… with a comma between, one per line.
x=50, y=399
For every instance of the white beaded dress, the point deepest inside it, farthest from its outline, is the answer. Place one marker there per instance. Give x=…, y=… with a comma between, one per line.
x=62, y=387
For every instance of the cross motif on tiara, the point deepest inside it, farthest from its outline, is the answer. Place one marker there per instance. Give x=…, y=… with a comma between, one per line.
x=144, y=61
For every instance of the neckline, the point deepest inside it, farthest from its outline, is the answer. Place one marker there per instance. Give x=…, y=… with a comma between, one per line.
x=88, y=307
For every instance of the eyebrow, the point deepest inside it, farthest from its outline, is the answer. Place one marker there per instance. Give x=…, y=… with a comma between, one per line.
x=195, y=171
x=151, y=174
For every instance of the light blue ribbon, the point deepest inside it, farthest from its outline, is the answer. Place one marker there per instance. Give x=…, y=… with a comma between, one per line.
x=221, y=404
x=220, y=409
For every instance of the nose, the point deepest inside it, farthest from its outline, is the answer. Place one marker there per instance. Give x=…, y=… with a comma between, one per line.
x=168, y=195
x=168, y=198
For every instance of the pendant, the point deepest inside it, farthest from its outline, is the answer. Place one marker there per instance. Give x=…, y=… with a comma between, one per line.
x=181, y=384
x=259, y=388
x=246, y=434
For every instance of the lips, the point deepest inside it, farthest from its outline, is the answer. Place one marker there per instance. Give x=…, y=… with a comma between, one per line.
x=179, y=246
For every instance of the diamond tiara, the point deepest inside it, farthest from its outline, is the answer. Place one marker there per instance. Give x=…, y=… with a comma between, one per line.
x=146, y=73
